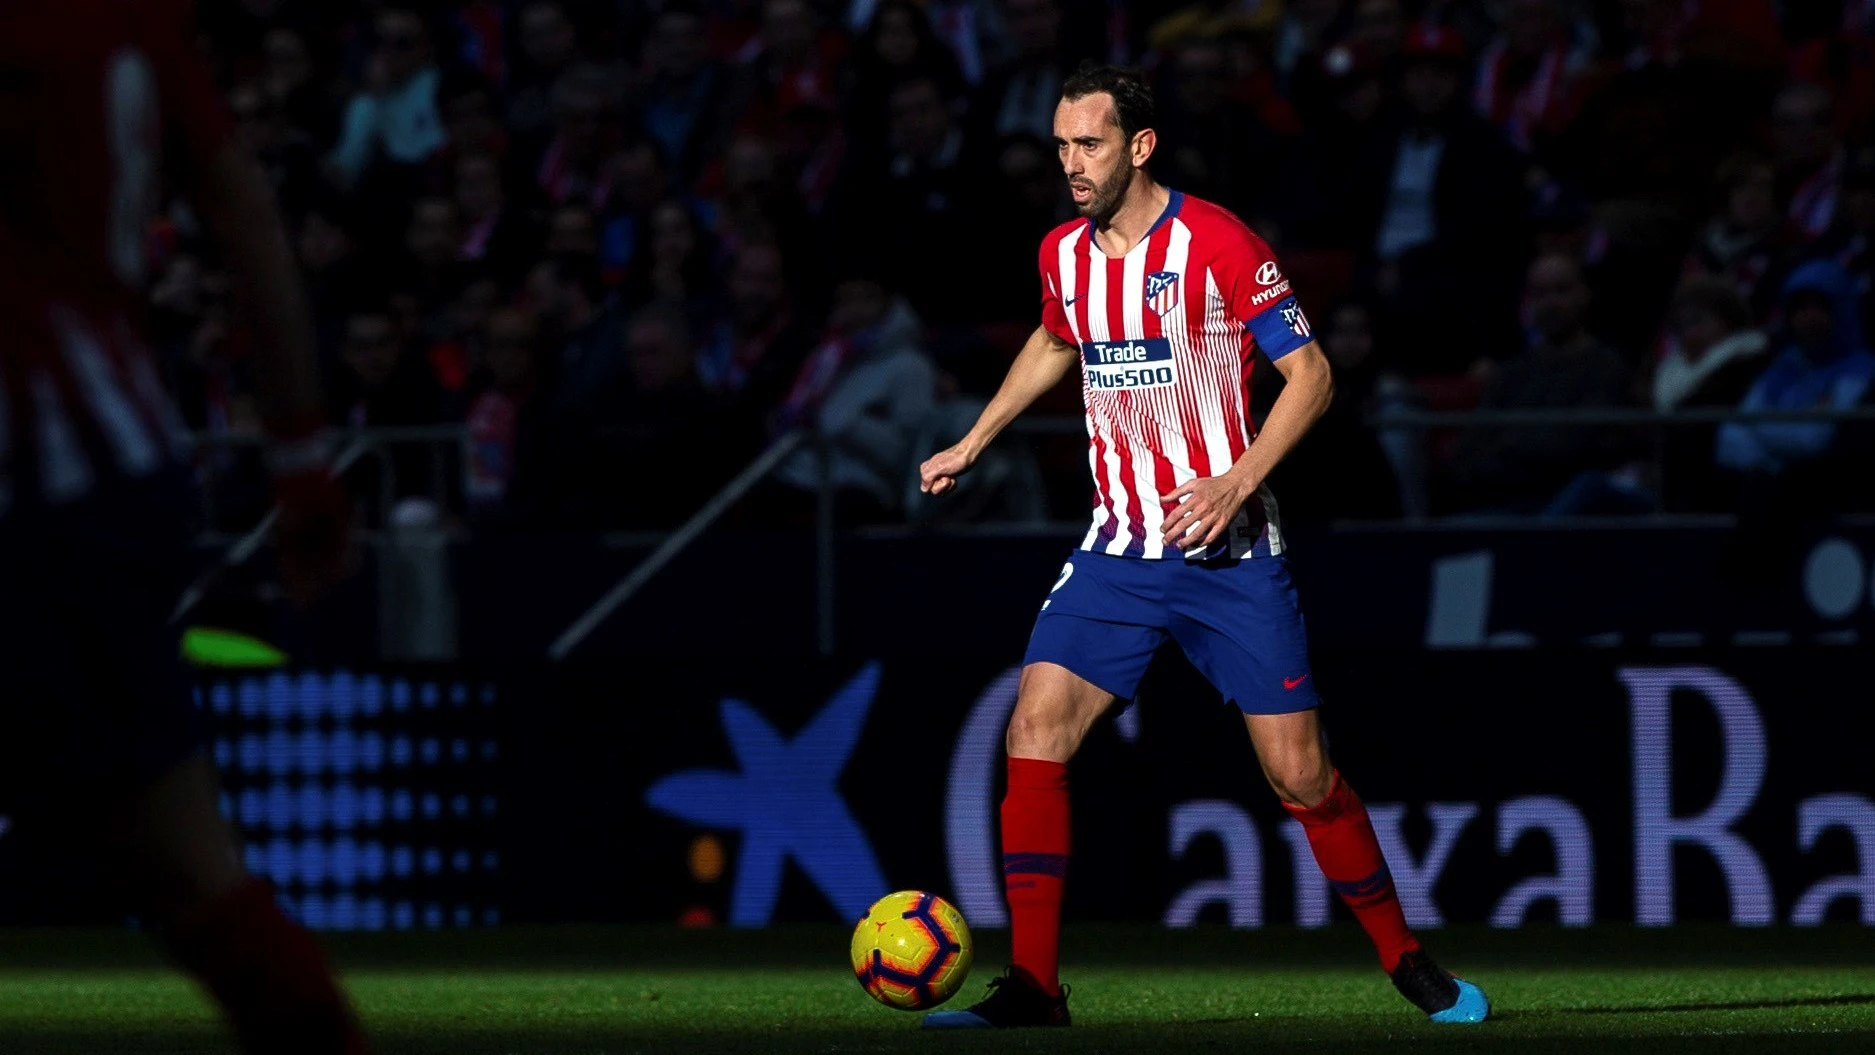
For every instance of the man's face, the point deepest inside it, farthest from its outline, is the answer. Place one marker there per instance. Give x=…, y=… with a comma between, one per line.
x=371, y=348
x=546, y=297
x=1200, y=69
x=404, y=44
x=433, y=236
x=920, y=120
x=1557, y=296
x=1752, y=203
x=1430, y=85
x=1350, y=338
x=1800, y=126
x=655, y=349
x=1379, y=27
x=1094, y=154
x=788, y=29
x=1812, y=323
x=546, y=36
x=508, y=345
x=1697, y=329
x=571, y=230
x=1036, y=26
x=1529, y=25
x=478, y=186
x=755, y=285
x=677, y=48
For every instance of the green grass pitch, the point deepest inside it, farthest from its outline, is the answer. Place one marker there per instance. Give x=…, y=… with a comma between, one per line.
x=589, y=991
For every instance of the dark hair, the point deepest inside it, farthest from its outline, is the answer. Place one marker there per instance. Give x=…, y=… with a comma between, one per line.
x=1133, y=104
x=577, y=269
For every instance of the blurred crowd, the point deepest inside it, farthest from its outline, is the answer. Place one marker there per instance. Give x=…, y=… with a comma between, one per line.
x=627, y=242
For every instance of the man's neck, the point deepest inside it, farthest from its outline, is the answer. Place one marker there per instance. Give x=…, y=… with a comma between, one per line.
x=1145, y=203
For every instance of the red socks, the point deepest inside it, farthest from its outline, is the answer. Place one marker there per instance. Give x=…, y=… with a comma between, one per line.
x=1035, y=864
x=1349, y=855
x=267, y=973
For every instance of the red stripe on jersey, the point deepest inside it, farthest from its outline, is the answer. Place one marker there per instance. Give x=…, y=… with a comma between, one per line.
x=1116, y=293
x=1168, y=402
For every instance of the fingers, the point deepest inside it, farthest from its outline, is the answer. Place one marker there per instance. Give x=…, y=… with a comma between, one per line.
x=942, y=484
x=1178, y=493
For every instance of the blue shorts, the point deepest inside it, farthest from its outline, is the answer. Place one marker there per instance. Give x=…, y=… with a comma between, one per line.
x=95, y=698
x=1237, y=621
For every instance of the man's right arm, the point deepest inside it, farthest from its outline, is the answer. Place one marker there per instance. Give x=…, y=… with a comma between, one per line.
x=1044, y=360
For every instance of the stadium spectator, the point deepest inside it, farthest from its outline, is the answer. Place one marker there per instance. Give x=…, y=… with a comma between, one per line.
x=752, y=352
x=503, y=410
x=664, y=410
x=549, y=46
x=678, y=263
x=1527, y=76
x=1212, y=146
x=898, y=45
x=1523, y=469
x=1826, y=364
x=927, y=185
x=683, y=90
x=871, y=391
x=1713, y=354
x=394, y=118
x=1809, y=155
x=493, y=233
x=570, y=167
x=1339, y=471
x=1019, y=96
x=1441, y=197
x=1745, y=243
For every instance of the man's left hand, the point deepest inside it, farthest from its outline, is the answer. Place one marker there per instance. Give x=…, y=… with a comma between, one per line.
x=1204, y=508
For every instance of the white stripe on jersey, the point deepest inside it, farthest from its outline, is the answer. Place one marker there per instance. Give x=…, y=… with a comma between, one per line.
x=1146, y=486
x=1095, y=304
x=1176, y=400
x=110, y=406
x=1220, y=351
x=1064, y=264
x=64, y=471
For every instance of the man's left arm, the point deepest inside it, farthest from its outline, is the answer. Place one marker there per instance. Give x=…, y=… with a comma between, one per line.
x=1256, y=291
x=1309, y=386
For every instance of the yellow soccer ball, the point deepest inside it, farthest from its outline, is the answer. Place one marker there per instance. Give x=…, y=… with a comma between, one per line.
x=912, y=951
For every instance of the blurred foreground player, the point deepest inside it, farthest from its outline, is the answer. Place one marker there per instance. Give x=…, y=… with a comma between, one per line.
x=1166, y=301
x=102, y=103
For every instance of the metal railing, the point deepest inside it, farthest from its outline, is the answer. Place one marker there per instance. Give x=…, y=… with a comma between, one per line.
x=374, y=446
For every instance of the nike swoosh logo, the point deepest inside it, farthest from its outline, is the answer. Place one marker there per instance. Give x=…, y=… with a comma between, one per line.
x=1290, y=683
x=1069, y=303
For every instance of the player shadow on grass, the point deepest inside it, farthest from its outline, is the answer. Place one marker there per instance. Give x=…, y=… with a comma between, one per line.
x=1843, y=1000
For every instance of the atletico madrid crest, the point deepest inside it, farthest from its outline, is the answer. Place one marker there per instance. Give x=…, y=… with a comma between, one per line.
x=1162, y=292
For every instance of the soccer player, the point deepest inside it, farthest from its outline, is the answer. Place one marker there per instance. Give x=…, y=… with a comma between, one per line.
x=1165, y=301
x=103, y=104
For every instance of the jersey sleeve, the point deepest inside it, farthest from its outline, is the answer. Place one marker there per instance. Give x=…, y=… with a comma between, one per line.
x=1054, y=314
x=1258, y=293
x=194, y=118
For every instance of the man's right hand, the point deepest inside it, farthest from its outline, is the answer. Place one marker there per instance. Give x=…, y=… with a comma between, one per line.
x=939, y=473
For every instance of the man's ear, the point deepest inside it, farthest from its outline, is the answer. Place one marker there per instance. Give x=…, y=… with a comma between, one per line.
x=1144, y=142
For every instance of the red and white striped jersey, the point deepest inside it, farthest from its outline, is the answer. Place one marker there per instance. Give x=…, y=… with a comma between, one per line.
x=1169, y=336
x=92, y=92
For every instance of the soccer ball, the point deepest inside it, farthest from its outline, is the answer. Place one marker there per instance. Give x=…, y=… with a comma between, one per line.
x=912, y=951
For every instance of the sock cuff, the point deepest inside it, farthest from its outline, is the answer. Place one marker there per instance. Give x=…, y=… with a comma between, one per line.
x=1037, y=774
x=1340, y=801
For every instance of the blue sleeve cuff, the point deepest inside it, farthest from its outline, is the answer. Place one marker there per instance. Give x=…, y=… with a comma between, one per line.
x=1281, y=328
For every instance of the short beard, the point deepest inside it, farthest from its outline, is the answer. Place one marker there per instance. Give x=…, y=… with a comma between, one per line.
x=1105, y=200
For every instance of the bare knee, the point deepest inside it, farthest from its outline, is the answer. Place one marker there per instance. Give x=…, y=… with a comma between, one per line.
x=1301, y=777
x=1040, y=733
x=1054, y=710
